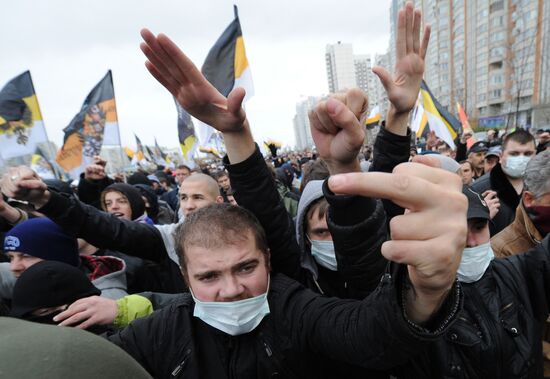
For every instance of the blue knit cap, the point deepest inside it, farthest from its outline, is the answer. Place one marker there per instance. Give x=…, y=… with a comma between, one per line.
x=42, y=238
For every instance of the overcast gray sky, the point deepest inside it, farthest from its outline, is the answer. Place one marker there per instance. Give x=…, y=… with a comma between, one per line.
x=69, y=45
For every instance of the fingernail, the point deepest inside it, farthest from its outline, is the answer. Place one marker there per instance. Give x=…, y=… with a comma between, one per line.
x=335, y=181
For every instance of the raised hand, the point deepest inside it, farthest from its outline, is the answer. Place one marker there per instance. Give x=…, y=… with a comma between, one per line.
x=403, y=86
x=432, y=197
x=337, y=129
x=95, y=170
x=493, y=202
x=22, y=183
x=175, y=71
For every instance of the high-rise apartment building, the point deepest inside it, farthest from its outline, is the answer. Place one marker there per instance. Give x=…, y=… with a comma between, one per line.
x=340, y=67
x=363, y=74
x=302, y=131
x=489, y=55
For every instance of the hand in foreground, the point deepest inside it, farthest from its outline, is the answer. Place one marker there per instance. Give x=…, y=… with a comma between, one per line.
x=175, y=71
x=88, y=311
x=429, y=237
x=337, y=127
x=24, y=184
x=403, y=86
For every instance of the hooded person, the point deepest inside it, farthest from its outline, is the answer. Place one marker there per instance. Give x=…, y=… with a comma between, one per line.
x=40, y=239
x=158, y=210
x=46, y=289
x=318, y=256
x=125, y=201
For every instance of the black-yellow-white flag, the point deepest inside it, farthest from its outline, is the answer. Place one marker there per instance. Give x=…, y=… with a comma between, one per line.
x=21, y=124
x=226, y=67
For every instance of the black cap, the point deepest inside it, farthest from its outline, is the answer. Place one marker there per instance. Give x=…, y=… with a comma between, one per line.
x=477, y=207
x=479, y=146
x=49, y=284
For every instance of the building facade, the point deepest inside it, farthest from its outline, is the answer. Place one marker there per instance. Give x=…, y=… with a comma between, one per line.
x=302, y=131
x=491, y=56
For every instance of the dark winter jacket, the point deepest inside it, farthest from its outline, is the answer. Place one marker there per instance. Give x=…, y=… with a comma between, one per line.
x=106, y=231
x=256, y=190
x=498, y=334
x=497, y=181
x=302, y=337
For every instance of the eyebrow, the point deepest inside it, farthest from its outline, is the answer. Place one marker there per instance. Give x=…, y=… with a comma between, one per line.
x=237, y=267
x=318, y=230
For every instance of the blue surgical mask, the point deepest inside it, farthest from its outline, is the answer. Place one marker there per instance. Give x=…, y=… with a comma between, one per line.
x=515, y=166
x=474, y=262
x=323, y=253
x=233, y=317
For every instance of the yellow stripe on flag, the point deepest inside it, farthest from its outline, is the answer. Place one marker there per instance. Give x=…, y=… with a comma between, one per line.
x=430, y=107
x=241, y=62
x=32, y=103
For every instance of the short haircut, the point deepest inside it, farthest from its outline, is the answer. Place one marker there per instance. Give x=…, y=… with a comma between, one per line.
x=183, y=167
x=520, y=136
x=220, y=174
x=211, y=185
x=537, y=174
x=313, y=170
x=215, y=226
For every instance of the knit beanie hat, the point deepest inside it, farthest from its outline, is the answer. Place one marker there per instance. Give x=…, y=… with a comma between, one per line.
x=42, y=238
x=49, y=284
x=132, y=194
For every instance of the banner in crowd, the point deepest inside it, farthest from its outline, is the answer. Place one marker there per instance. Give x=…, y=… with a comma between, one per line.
x=95, y=125
x=374, y=118
x=139, y=155
x=419, y=119
x=21, y=124
x=42, y=166
x=186, y=136
x=443, y=123
x=226, y=67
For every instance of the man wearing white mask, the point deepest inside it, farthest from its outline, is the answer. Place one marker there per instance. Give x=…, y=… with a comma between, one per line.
x=506, y=304
x=506, y=178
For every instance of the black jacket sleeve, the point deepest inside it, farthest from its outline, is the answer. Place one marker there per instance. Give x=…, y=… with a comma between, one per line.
x=358, y=228
x=460, y=150
x=389, y=151
x=104, y=230
x=374, y=333
x=89, y=191
x=255, y=190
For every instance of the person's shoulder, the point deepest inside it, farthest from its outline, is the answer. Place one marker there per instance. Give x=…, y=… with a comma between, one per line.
x=483, y=183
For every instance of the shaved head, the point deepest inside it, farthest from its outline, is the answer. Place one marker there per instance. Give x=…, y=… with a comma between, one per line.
x=209, y=184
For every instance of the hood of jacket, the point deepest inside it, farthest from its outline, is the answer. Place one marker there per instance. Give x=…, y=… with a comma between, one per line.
x=106, y=273
x=312, y=192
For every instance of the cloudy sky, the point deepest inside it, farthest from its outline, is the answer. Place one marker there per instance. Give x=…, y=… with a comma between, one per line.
x=69, y=45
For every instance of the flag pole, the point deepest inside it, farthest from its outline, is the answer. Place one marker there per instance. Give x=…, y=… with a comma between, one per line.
x=117, y=124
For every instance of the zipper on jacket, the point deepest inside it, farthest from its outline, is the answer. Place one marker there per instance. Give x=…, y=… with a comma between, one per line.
x=180, y=367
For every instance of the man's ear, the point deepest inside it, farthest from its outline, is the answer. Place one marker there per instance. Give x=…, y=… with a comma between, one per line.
x=528, y=199
x=219, y=199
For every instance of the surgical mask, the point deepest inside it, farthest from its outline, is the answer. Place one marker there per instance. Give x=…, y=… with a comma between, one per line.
x=540, y=216
x=233, y=317
x=474, y=262
x=515, y=166
x=323, y=253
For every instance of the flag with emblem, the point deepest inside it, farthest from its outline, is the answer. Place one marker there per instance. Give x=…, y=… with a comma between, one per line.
x=21, y=123
x=374, y=118
x=93, y=126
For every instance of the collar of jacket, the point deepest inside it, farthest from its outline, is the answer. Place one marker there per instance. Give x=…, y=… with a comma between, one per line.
x=525, y=222
x=505, y=190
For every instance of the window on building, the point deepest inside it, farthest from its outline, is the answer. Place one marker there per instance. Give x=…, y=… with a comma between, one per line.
x=497, y=21
x=496, y=93
x=497, y=6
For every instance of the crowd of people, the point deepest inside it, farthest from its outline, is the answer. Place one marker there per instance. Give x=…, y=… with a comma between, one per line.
x=392, y=261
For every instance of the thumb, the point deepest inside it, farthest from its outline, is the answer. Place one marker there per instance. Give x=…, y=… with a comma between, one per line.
x=384, y=76
x=234, y=102
x=33, y=184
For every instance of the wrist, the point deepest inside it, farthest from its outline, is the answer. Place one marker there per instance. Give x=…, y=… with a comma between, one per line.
x=335, y=168
x=396, y=121
x=43, y=200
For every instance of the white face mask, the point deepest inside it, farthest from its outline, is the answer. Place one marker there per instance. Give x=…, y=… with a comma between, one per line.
x=515, y=166
x=233, y=317
x=323, y=253
x=474, y=262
